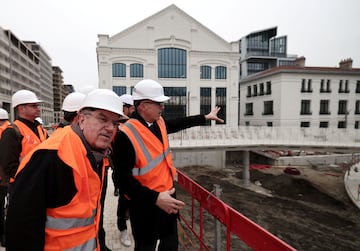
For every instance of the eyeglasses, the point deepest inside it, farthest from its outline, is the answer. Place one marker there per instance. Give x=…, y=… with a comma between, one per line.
x=33, y=105
x=154, y=102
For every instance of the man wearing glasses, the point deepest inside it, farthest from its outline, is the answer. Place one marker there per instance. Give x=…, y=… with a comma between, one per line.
x=20, y=137
x=55, y=199
x=144, y=169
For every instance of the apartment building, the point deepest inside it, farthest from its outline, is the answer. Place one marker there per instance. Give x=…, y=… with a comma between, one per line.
x=46, y=81
x=300, y=96
x=262, y=50
x=197, y=68
x=25, y=65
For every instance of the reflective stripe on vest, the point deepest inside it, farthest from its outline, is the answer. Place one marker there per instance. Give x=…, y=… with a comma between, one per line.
x=89, y=245
x=152, y=163
x=65, y=226
x=68, y=223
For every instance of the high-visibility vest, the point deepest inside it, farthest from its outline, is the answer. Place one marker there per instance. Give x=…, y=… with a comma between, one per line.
x=4, y=126
x=30, y=139
x=153, y=165
x=73, y=226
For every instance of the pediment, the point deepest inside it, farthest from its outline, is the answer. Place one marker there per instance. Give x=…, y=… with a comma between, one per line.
x=170, y=27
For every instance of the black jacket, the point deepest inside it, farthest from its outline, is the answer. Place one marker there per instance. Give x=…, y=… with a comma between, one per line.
x=148, y=221
x=45, y=182
x=10, y=147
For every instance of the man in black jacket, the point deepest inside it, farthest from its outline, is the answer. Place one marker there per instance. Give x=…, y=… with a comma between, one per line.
x=146, y=175
x=55, y=199
x=18, y=139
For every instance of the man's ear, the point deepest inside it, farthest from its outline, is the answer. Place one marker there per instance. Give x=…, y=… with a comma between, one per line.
x=81, y=119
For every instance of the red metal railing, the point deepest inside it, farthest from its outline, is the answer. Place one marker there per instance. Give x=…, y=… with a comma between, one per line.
x=246, y=230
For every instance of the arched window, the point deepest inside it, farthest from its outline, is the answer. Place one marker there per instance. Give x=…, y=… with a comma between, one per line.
x=136, y=71
x=205, y=72
x=220, y=72
x=119, y=90
x=118, y=70
x=171, y=63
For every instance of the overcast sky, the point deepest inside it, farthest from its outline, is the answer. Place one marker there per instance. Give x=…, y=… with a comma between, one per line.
x=324, y=31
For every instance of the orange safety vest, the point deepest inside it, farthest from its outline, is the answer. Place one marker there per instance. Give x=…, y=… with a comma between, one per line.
x=153, y=165
x=4, y=126
x=30, y=139
x=73, y=226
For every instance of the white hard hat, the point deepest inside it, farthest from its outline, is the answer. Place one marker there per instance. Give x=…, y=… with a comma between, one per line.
x=103, y=99
x=149, y=89
x=127, y=99
x=73, y=101
x=24, y=97
x=4, y=114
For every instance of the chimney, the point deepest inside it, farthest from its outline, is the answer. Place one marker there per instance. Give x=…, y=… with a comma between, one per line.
x=346, y=64
x=300, y=62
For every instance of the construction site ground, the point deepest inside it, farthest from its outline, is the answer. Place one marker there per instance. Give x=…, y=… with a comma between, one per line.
x=309, y=211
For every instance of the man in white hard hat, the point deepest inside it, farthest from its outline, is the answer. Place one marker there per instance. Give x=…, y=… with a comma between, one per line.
x=4, y=120
x=21, y=136
x=146, y=174
x=70, y=108
x=26, y=106
x=55, y=198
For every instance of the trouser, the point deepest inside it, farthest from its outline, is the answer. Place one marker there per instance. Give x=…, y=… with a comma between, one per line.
x=122, y=212
x=3, y=207
x=165, y=232
x=167, y=243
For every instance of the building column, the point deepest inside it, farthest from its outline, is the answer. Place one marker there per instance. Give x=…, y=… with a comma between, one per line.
x=246, y=167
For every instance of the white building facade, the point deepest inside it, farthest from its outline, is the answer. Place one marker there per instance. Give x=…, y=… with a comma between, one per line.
x=298, y=96
x=197, y=68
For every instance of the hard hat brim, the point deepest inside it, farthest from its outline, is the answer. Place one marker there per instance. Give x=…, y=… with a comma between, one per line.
x=156, y=99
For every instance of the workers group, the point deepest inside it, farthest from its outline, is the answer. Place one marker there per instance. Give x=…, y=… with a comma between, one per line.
x=53, y=187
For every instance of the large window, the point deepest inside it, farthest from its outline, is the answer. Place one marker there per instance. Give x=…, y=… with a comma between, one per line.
x=256, y=67
x=305, y=107
x=324, y=106
x=268, y=87
x=258, y=44
x=171, y=63
x=261, y=92
x=344, y=87
x=357, y=90
x=118, y=70
x=221, y=102
x=278, y=46
x=342, y=107
x=136, y=71
x=248, y=91
x=220, y=72
x=268, y=108
x=325, y=87
x=119, y=90
x=176, y=106
x=205, y=101
x=324, y=124
x=305, y=124
x=205, y=72
x=306, y=87
x=357, y=107
x=249, y=109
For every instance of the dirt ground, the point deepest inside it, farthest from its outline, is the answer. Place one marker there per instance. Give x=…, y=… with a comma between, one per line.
x=310, y=211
